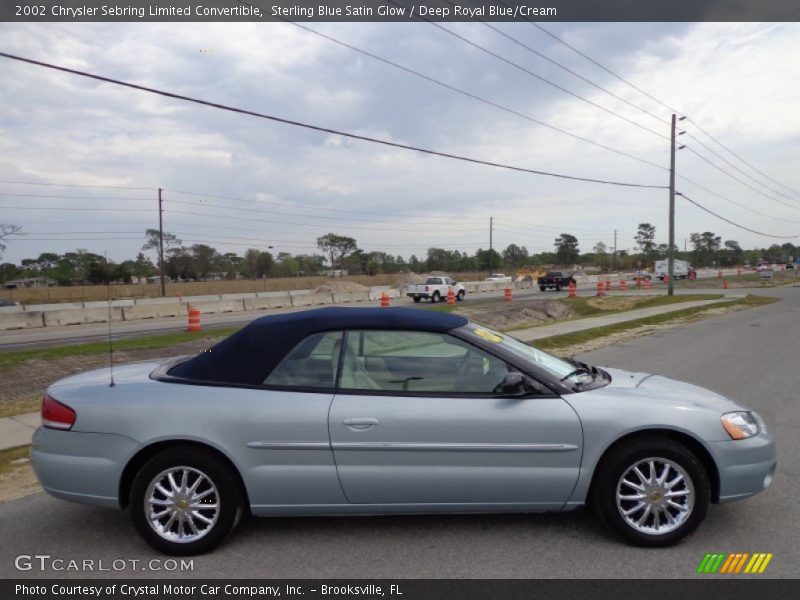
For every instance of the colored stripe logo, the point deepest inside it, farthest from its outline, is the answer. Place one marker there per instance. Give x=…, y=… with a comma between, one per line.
x=734, y=563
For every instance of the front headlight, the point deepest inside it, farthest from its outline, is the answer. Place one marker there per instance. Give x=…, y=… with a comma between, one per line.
x=739, y=425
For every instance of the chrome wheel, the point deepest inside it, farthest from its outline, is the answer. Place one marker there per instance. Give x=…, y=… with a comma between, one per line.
x=655, y=496
x=182, y=504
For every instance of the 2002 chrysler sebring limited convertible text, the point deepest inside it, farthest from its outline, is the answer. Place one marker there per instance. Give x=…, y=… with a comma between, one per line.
x=377, y=411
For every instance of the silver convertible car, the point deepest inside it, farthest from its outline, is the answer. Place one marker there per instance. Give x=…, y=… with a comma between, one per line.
x=342, y=411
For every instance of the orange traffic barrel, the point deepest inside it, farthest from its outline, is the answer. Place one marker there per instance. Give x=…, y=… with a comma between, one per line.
x=194, y=319
x=451, y=296
x=508, y=294
x=573, y=289
x=623, y=285
x=384, y=300
x=601, y=288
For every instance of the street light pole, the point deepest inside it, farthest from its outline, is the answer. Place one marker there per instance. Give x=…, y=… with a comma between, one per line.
x=671, y=241
x=161, y=242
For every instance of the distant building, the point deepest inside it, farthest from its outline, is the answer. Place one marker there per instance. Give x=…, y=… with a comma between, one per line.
x=29, y=282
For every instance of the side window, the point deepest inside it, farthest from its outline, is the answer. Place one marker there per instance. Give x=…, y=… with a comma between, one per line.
x=417, y=361
x=311, y=363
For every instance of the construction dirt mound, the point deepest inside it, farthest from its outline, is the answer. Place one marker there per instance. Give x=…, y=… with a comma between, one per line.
x=407, y=279
x=340, y=286
x=527, y=313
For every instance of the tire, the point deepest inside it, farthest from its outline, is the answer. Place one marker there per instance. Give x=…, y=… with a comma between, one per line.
x=436, y=297
x=558, y=288
x=542, y=288
x=417, y=299
x=195, y=462
x=460, y=296
x=692, y=491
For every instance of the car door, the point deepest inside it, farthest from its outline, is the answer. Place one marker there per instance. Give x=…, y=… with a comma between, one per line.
x=415, y=421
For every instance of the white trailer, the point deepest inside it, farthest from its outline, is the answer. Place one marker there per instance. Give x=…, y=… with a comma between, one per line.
x=682, y=269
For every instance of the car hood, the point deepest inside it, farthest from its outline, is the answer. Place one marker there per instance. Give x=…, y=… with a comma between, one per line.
x=657, y=388
x=123, y=373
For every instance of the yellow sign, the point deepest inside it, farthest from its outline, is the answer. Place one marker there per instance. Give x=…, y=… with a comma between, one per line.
x=488, y=336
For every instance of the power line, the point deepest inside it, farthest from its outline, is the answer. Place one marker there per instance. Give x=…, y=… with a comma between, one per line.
x=73, y=185
x=547, y=81
x=473, y=96
x=657, y=100
x=711, y=212
x=73, y=208
x=5, y=195
x=273, y=212
x=738, y=180
x=341, y=210
x=319, y=128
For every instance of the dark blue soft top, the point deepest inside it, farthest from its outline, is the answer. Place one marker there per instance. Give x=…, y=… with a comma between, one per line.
x=249, y=355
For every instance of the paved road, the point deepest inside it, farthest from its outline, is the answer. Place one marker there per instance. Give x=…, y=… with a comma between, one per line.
x=748, y=355
x=25, y=339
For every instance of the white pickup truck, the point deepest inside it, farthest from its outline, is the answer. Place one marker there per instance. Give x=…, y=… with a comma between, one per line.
x=435, y=289
x=499, y=278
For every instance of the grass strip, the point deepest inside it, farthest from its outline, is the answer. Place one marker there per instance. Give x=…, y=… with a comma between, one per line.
x=566, y=340
x=149, y=342
x=7, y=458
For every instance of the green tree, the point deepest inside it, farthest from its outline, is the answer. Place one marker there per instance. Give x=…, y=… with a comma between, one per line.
x=153, y=237
x=515, y=256
x=567, y=251
x=8, y=232
x=705, y=245
x=336, y=246
x=645, y=239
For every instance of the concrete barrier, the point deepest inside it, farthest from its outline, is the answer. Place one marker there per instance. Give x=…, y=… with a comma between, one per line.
x=11, y=309
x=339, y=297
x=53, y=318
x=193, y=299
x=152, y=301
x=57, y=306
x=104, y=304
x=238, y=296
x=312, y=299
x=21, y=320
x=294, y=293
x=153, y=311
x=470, y=287
x=273, y=295
x=259, y=303
x=219, y=306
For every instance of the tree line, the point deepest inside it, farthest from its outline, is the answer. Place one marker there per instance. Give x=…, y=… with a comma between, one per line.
x=338, y=253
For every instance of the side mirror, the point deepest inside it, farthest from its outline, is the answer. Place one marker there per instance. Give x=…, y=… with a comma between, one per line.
x=515, y=384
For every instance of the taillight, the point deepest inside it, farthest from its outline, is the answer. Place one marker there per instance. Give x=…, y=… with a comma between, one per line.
x=56, y=415
x=427, y=288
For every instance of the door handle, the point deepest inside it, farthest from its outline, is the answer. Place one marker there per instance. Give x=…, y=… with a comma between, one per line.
x=360, y=423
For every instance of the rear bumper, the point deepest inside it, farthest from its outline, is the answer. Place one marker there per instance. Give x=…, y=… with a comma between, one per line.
x=81, y=467
x=418, y=295
x=746, y=467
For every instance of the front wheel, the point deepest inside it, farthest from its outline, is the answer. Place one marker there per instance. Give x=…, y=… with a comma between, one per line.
x=436, y=297
x=185, y=501
x=460, y=296
x=651, y=492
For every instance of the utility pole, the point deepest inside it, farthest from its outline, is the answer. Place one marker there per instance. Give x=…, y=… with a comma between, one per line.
x=491, y=227
x=161, y=243
x=614, y=256
x=671, y=241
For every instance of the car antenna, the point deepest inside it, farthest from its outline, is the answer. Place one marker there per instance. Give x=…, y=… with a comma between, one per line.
x=110, y=344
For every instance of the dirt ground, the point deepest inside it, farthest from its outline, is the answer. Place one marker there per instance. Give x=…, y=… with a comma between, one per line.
x=24, y=384
x=18, y=482
x=340, y=286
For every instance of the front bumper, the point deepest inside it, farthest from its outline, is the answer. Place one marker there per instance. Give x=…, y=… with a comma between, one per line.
x=81, y=467
x=746, y=467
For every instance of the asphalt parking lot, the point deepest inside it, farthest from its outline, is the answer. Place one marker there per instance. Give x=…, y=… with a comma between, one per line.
x=748, y=355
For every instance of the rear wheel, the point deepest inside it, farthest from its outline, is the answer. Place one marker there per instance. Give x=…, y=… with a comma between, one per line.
x=417, y=299
x=185, y=501
x=542, y=288
x=651, y=492
x=436, y=297
x=558, y=288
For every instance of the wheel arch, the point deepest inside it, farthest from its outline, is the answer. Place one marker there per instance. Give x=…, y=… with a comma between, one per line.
x=691, y=443
x=147, y=452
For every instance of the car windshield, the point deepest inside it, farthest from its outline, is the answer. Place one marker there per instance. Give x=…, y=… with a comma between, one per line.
x=563, y=370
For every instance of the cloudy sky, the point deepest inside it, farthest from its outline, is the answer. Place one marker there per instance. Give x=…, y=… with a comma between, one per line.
x=286, y=186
